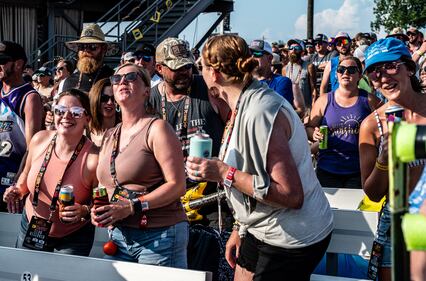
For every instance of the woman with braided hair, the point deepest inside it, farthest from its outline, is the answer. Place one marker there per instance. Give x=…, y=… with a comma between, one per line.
x=284, y=218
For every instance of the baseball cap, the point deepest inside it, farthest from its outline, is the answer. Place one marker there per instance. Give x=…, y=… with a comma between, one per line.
x=309, y=42
x=145, y=49
x=260, y=46
x=296, y=41
x=385, y=50
x=342, y=34
x=11, y=51
x=320, y=38
x=43, y=71
x=398, y=32
x=128, y=56
x=276, y=59
x=412, y=29
x=174, y=53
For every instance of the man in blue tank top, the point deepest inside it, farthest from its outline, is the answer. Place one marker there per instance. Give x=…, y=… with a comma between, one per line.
x=21, y=113
x=342, y=41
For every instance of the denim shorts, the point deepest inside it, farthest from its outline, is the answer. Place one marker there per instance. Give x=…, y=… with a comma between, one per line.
x=77, y=243
x=165, y=246
x=383, y=235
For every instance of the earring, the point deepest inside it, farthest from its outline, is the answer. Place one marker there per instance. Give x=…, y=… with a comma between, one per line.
x=117, y=107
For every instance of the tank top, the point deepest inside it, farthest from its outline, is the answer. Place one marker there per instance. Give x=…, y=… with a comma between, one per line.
x=341, y=155
x=299, y=74
x=12, y=132
x=136, y=165
x=333, y=73
x=54, y=171
x=200, y=114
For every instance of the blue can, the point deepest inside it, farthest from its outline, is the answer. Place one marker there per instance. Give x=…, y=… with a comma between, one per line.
x=200, y=145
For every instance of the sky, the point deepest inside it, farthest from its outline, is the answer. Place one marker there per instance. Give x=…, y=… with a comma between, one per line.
x=274, y=20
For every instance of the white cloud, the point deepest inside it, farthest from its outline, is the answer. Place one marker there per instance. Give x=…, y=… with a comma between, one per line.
x=353, y=16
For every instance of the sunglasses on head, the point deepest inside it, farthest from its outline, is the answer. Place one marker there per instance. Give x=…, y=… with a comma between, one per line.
x=143, y=57
x=106, y=98
x=90, y=47
x=128, y=77
x=390, y=68
x=295, y=48
x=350, y=69
x=77, y=112
x=342, y=42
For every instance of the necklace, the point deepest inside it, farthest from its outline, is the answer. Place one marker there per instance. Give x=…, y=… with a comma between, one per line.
x=171, y=101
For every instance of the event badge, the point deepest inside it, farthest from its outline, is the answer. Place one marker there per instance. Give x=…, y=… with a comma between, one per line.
x=375, y=260
x=37, y=234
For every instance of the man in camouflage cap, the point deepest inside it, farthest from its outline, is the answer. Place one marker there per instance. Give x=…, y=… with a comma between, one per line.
x=182, y=99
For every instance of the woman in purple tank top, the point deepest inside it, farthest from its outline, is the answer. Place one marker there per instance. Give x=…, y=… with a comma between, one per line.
x=342, y=112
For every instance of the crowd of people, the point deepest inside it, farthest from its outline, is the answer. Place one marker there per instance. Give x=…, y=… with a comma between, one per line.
x=128, y=127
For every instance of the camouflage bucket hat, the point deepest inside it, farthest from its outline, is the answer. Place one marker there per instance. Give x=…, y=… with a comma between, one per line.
x=174, y=53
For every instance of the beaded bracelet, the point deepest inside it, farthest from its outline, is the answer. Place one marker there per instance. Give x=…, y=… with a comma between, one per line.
x=381, y=167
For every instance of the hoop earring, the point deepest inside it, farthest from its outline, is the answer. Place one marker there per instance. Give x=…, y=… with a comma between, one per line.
x=117, y=108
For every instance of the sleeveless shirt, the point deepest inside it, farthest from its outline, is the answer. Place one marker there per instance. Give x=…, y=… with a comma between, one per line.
x=12, y=132
x=136, y=165
x=54, y=171
x=200, y=114
x=341, y=155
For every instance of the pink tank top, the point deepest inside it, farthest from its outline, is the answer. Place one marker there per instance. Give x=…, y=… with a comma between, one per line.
x=136, y=165
x=54, y=171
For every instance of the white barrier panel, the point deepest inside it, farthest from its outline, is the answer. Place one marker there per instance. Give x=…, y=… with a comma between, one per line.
x=27, y=265
x=315, y=277
x=344, y=198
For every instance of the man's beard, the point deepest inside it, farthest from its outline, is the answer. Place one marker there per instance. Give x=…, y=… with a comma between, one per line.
x=7, y=73
x=294, y=58
x=89, y=65
x=179, y=87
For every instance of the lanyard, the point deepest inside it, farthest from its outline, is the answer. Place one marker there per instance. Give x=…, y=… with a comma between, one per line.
x=184, y=131
x=43, y=167
x=114, y=154
x=227, y=133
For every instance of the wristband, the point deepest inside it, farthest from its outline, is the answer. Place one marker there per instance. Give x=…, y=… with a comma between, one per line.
x=420, y=53
x=236, y=226
x=139, y=205
x=229, y=177
x=381, y=167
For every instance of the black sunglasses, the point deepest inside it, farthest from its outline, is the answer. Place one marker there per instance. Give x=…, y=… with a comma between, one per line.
x=59, y=69
x=90, y=47
x=106, y=98
x=351, y=69
x=423, y=69
x=5, y=60
x=128, y=77
x=143, y=57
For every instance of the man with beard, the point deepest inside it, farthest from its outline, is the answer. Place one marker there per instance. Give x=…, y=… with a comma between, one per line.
x=262, y=52
x=342, y=41
x=413, y=39
x=91, y=49
x=301, y=73
x=183, y=100
x=21, y=113
x=321, y=57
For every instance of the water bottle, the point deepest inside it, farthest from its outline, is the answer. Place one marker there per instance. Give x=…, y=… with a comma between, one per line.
x=200, y=145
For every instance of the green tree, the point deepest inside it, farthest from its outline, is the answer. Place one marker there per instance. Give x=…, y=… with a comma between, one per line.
x=399, y=13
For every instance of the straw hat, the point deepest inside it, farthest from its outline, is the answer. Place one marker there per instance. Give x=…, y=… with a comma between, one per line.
x=90, y=34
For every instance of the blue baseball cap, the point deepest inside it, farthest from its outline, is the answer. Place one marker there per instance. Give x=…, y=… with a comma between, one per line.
x=385, y=50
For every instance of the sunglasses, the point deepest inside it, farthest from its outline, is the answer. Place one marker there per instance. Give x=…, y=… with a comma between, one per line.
x=4, y=61
x=350, y=69
x=90, y=47
x=390, y=68
x=295, y=48
x=257, y=54
x=411, y=34
x=423, y=69
x=128, y=77
x=309, y=46
x=106, y=98
x=342, y=42
x=59, y=69
x=77, y=112
x=142, y=57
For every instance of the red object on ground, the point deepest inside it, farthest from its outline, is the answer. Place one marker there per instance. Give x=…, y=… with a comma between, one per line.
x=110, y=248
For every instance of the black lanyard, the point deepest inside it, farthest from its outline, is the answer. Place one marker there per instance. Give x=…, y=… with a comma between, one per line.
x=43, y=167
x=114, y=154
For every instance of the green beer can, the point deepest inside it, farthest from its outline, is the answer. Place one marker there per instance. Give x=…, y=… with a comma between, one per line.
x=324, y=143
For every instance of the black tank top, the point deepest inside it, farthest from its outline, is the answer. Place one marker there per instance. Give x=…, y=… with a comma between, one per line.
x=200, y=114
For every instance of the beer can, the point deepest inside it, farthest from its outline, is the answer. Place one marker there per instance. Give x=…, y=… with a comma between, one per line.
x=200, y=145
x=394, y=113
x=99, y=191
x=66, y=195
x=324, y=143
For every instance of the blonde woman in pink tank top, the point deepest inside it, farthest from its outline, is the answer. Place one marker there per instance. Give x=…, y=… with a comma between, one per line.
x=140, y=164
x=58, y=158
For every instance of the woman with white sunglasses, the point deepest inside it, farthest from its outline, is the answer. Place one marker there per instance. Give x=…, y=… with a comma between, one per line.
x=55, y=159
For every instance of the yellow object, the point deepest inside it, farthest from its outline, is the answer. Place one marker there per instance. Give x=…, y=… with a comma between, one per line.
x=367, y=205
x=414, y=229
x=381, y=167
x=191, y=194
